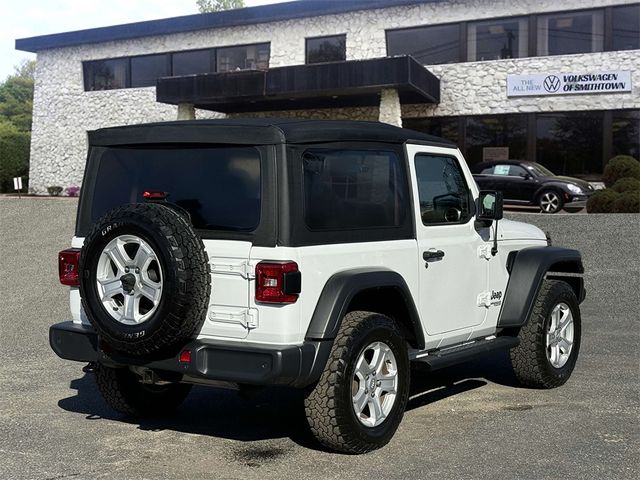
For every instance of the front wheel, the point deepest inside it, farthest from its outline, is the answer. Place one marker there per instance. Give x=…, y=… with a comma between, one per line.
x=550, y=341
x=359, y=401
x=550, y=201
x=123, y=391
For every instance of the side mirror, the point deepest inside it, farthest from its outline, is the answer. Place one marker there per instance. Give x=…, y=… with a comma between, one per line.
x=490, y=205
x=528, y=176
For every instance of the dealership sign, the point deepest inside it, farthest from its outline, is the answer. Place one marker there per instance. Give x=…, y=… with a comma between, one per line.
x=568, y=83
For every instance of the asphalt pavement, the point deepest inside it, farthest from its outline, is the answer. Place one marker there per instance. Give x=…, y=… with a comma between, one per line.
x=467, y=422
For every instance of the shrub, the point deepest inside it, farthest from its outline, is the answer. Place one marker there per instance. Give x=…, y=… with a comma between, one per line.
x=627, y=202
x=626, y=184
x=621, y=166
x=602, y=201
x=72, y=190
x=54, y=190
x=14, y=158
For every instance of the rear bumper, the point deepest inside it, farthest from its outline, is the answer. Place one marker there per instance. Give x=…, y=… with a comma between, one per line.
x=253, y=364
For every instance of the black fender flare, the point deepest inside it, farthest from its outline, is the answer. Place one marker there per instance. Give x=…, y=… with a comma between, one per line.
x=528, y=268
x=343, y=286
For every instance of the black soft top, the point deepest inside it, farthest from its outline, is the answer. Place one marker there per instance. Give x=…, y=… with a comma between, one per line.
x=260, y=131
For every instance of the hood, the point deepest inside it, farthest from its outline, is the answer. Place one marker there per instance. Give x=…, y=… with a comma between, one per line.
x=511, y=230
x=583, y=184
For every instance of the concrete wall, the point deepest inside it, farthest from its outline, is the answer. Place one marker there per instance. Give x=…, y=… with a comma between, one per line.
x=63, y=111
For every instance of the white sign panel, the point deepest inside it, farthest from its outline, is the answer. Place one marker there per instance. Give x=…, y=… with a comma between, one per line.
x=17, y=183
x=615, y=81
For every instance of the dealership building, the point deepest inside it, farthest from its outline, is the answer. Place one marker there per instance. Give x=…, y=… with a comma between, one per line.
x=547, y=81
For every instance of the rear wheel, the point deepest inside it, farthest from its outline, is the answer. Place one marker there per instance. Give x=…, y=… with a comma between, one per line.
x=360, y=398
x=550, y=201
x=125, y=393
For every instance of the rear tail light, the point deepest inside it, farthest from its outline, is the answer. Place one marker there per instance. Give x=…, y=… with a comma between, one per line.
x=68, y=267
x=277, y=282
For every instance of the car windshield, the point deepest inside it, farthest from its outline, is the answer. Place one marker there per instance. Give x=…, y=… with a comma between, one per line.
x=218, y=186
x=539, y=170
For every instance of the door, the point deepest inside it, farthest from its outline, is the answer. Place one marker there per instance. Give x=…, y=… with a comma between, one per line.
x=522, y=182
x=452, y=273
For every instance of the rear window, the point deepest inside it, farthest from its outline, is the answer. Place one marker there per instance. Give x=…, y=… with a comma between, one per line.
x=353, y=189
x=218, y=186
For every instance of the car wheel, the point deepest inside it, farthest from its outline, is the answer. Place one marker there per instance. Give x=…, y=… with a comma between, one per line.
x=145, y=281
x=550, y=201
x=550, y=340
x=124, y=392
x=359, y=401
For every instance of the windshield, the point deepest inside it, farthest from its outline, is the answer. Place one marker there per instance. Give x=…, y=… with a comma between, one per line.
x=218, y=186
x=539, y=170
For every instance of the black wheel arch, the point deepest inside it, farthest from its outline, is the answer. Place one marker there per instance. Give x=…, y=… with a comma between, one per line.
x=528, y=268
x=374, y=289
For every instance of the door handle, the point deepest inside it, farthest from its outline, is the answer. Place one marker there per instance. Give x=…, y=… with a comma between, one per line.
x=432, y=254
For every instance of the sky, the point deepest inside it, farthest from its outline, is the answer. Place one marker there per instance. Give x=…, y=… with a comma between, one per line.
x=30, y=18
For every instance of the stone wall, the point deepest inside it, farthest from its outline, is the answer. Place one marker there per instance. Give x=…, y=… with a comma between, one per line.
x=64, y=112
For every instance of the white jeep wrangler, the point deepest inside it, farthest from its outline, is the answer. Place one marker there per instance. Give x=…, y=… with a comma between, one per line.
x=321, y=255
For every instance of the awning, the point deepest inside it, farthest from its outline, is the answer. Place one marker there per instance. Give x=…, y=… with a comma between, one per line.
x=353, y=83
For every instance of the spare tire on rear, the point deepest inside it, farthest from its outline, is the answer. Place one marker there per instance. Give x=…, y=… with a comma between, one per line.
x=145, y=280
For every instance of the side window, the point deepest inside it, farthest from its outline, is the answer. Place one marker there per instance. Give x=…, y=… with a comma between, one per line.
x=442, y=189
x=348, y=189
x=517, y=171
x=487, y=171
x=501, y=169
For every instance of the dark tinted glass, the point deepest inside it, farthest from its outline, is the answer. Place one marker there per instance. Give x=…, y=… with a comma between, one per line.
x=353, y=189
x=106, y=74
x=442, y=189
x=429, y=45
x=326, y=49
x=568, y=33
x=497, y=39
x=445, y=127
x=626, y=27
x=496, y=131
x=147, y=69
x=194, y=61
x=626, y=133
x=219, y=187
x=247, y=57
x=570, y=143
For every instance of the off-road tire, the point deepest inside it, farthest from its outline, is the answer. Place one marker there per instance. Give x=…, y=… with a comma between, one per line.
x=186, y=288
x=328, y=405
x=529, y=359
x=123, y=391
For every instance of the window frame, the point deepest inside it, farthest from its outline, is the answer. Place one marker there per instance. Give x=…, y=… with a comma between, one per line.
x=593, y=11
x=522, y=20
x=168, y=67
x=462, y=30
x=306, y=47
x=243, y=45
x=469, y=192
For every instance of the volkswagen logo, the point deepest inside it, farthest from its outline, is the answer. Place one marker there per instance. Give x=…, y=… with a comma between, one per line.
x=551, y=83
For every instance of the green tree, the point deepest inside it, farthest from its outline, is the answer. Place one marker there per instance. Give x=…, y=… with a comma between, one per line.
x=16, y=96
x=206, y=6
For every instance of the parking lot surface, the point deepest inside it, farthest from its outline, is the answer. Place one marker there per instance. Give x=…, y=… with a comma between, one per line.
x=465, y=422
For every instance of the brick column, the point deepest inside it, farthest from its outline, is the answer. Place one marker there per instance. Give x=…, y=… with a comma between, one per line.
x=186, y=111
x=390, y=111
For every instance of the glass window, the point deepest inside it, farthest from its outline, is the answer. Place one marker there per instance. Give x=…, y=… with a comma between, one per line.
x=219, y=187
x=442, y=190
x=626, y=133
x=193, y=61
x=571, y=32
x=497, y=39
x=626, y=27
x=570, y=143
x=106, y=74
x=517, y=171
x=246, y=57
x=429, y=45
x=444, y=127
x=353, y=189
x=508, y=131
x=327, y=49
x=145, y=70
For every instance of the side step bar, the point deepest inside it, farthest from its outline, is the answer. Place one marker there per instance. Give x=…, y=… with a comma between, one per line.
x=453, y=355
